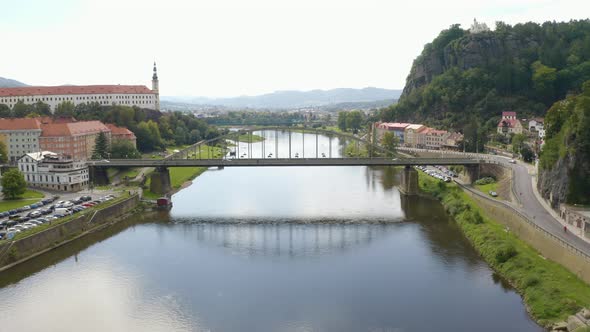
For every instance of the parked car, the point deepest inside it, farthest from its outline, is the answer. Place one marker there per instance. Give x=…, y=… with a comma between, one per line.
x=86, y=198
x=67, y=204
x=43, y=220
x=512, y=161
x=34, y=214
x=77, y=201
x=493, y=193
x=11, y=212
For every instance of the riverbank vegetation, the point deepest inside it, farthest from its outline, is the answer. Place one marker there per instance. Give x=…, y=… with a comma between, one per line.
x=550, y=291
x=247, y=138
x=178, y=177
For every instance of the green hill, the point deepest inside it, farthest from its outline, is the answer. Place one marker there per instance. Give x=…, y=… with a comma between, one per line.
x=465, y=80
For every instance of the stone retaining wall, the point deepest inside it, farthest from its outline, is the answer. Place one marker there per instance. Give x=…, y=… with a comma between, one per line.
x=546, y=244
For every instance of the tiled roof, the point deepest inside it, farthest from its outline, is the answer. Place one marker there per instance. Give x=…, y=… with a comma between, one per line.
x=418, y=127
x=119, y=130
x=393, y=125
x=74, y=90
x=509, y=114
x=73, y=128
x=510, y=123
x=19, y=124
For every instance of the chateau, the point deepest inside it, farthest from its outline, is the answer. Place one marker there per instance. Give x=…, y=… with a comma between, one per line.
x=129, y=95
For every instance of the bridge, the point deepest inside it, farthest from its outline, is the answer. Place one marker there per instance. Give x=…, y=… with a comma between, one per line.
x=241, y=149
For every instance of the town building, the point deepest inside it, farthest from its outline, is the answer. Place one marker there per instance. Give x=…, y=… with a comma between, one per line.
x=411, y=134
x=536, y=124
x=49, y=170
x=129, y=95
x=398, y=129
x=121, y=133
x=73, y=139
x=433, y=138
x=20, y=136
x=509, y=124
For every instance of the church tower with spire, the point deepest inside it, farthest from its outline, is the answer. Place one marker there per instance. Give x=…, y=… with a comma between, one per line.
x=156, y=87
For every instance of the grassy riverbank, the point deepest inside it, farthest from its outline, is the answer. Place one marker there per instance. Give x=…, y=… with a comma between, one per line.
x=28, y=198
x=178, y=176
x=550, y=291
x=246, y=138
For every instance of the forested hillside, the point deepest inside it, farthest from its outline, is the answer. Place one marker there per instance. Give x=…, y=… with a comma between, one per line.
x=463, y=79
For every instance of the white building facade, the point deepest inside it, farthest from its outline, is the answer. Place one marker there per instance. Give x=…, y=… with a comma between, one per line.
x=128, y=95
x=49, y=170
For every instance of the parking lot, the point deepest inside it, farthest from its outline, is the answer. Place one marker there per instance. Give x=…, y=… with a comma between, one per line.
x=49, y=209
x=439, y=172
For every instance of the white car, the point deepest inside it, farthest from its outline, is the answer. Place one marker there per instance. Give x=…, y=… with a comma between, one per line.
x=512, y=161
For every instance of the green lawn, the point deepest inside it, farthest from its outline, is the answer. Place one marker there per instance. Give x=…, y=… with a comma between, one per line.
x=550, y=291
x=130, y=173
x=485, y=188
x=29, y=197
x=178, y=176
x=246, y=138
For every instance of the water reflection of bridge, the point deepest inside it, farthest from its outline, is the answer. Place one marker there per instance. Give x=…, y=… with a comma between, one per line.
x=294, y=240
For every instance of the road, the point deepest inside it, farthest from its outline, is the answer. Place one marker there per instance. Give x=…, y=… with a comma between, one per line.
x=528, y=204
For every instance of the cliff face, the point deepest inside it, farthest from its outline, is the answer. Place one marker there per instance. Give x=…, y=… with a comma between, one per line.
x=553, y=184
x=470, y=51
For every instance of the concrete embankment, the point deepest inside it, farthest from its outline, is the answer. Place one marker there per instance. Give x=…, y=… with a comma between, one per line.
x=16, y=252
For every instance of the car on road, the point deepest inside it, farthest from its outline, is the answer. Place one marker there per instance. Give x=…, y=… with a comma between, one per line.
x=512, y=161
x=493, y=193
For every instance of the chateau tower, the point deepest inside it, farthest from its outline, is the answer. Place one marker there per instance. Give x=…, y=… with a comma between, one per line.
x=156, y=86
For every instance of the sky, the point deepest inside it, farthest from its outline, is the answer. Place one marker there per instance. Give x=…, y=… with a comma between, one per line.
x=223, y=48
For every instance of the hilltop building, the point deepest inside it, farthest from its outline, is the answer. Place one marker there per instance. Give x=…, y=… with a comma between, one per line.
x=129, y=95
x=509, y=124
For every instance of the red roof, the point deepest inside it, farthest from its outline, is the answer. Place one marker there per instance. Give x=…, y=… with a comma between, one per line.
x=510, y=123
x=393, y=125
x=73, y=128
x=119, y=131
x=74, y=90
x=19, y=124
x=508, y=114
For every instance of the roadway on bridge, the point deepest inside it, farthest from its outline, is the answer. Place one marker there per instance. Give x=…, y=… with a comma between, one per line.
x=253, y=162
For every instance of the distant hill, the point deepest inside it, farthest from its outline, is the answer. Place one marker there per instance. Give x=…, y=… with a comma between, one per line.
x=9, y=83
x=296, y=99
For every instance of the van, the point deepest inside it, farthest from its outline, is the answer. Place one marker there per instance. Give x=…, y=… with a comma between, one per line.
x=63, y=211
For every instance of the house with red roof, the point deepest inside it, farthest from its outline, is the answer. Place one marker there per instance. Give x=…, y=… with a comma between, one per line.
x=73, y=139
x=509, y=124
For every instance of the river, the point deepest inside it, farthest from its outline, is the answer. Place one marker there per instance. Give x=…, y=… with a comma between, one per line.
x=270, y=249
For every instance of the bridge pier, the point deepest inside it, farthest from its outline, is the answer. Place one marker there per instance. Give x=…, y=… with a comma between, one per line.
x=409, y=181
x=98, y=176
x=160, y=181
x=472, y=172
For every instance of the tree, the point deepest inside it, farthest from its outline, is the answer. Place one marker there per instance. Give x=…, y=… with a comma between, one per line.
x=342, y=120
x=518, y=142
x=389, y=142
x=41, y=108
x=13, y=184
x=101, y=147
x=5, y=111
x=124, y=149
x=3, y=153
x=527, y=153
x=20, y=109
x=65, y=109
x=354, y=120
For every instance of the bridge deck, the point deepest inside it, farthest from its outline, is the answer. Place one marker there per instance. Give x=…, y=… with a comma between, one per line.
x=283, y=162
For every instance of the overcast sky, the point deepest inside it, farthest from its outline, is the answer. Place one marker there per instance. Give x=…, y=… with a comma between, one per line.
x=239, y=47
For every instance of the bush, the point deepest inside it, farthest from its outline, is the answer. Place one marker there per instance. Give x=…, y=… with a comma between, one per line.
x=472, y=217
x=531, y=281
x=486, y=180
x=504, y=252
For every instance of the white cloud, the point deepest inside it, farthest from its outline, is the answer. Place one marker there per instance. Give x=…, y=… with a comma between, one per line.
x=231, y=47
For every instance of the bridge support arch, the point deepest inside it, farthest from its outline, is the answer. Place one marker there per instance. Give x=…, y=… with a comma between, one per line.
x=160, y=181
x=98, y=176
x=409, y=181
